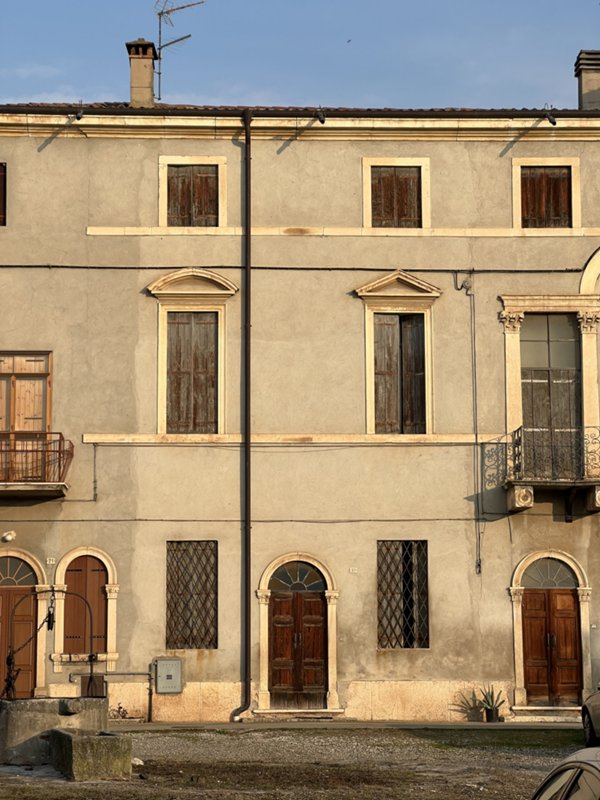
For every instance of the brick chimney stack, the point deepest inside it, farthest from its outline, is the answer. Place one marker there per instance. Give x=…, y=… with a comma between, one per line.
x=587, y=70
x=142, y=55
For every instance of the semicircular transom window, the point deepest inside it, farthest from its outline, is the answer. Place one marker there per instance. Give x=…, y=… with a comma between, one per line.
x=297, y=576
x=16, y=572
x=549, y=573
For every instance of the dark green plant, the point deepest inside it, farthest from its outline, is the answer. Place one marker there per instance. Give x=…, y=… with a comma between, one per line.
x=491, y=699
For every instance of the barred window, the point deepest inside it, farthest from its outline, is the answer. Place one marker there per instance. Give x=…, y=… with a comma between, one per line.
x=191, y=595
x=402, y=595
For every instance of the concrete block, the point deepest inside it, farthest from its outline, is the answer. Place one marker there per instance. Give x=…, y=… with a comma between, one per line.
x=90, y=755
x=25, y=725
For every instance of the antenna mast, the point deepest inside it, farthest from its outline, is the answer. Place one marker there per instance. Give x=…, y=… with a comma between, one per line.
x=164, y=12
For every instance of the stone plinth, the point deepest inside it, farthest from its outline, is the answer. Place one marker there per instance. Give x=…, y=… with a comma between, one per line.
x=90, y=755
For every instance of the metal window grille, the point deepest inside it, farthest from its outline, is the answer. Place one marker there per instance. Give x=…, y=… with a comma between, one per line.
x=402, y=594
x=191, y=595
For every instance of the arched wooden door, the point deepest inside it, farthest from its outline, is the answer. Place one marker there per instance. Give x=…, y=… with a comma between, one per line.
x=18, y=614
x=551, y=634
x=297, y=637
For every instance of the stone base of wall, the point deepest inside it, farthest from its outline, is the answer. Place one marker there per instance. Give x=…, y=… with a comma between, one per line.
x=415, y=700
x=199, y=702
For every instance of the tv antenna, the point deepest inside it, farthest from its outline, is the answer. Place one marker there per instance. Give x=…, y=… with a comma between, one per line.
x=164, y=10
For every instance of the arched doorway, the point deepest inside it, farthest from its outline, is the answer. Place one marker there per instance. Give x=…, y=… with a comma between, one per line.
x=550, y=603
x=18, y=621
x=297, y=637
x=298, y=630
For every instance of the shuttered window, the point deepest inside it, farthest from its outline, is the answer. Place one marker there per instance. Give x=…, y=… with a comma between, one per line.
x=2, y=193
x=396, y=197
x=193, y=196
x=191, y=595
x=192, y=340
x=402, y=594
x=399, y=370
x=86, y=577
x=24, y=391
x=546, y=197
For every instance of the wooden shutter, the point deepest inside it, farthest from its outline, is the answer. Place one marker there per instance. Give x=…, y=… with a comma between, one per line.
x=192, y=372
x=396, y=197
x=192, y=191
x=387, y=373
x=413, y=373
x=2, y=193
x=86, y=576
x=546, y=197
x=205, y=198
x=399, y=344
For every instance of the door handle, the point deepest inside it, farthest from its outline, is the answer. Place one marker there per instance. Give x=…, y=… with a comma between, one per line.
x=551, y=640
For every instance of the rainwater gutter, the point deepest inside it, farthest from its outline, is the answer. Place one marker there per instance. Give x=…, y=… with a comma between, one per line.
x=246, y=630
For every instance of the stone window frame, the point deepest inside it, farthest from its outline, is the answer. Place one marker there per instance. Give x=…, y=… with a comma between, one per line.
x=587, y=309
x=556, y=161
x=423, y=163
x=163, y=189
x=193, y=290
x=110, y=657
x=398, y=293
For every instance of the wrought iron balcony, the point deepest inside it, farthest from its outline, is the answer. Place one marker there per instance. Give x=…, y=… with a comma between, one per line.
x=34, y=462
x=554, y=456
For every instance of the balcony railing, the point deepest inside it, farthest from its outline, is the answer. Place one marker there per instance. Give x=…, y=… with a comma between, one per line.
x=34, y=457
x=554, y=456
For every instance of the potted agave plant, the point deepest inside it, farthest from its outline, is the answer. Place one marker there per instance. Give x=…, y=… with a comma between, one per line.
x=491, y=702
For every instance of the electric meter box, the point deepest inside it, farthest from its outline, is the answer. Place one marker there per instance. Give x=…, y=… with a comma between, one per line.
x=168, y=678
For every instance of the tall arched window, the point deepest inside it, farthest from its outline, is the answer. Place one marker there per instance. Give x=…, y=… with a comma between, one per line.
x=87, y=577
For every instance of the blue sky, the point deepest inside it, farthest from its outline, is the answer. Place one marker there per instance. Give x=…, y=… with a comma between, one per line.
x=423, y=54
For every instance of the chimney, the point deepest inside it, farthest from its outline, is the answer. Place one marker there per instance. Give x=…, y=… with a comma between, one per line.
x=142, y=55
x=587, y=70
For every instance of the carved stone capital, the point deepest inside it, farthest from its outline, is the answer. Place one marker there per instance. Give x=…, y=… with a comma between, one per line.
x=112, y=590
x=592, y=500
x=263, y=596
x=588, y=321
x=520, y=497
x=511, y=320
x=584, y=593
x=331, y=597
x=516, y=594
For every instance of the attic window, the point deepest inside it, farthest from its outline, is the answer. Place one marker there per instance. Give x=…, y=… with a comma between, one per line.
x=192, y=192
x=396, y=193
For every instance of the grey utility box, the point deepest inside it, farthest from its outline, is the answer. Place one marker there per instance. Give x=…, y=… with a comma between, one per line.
x=168, y=679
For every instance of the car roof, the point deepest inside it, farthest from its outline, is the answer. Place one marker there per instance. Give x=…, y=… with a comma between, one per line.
x=588, y=755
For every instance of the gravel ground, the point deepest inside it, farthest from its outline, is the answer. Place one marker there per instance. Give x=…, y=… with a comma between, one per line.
x=331, y=763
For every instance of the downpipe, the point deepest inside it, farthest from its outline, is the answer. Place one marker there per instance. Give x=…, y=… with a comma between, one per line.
x=247, y=537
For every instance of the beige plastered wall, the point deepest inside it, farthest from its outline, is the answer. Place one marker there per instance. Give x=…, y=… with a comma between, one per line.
x=321, y=485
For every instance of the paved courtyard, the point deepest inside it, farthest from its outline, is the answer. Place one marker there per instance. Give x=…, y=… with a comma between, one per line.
x=335, y=762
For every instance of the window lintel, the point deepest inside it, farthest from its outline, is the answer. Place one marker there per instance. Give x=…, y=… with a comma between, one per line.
x=191, y=283
x=399, y=286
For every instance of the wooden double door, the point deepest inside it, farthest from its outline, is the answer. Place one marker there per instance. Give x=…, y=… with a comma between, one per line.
x=552, y=646
x=19, y=606
x=297, y=649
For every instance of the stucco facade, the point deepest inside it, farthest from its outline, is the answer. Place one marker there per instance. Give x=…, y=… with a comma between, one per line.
x=82, y=255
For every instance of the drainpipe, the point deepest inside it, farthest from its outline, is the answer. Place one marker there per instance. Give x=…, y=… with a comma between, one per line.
x=247, y=490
